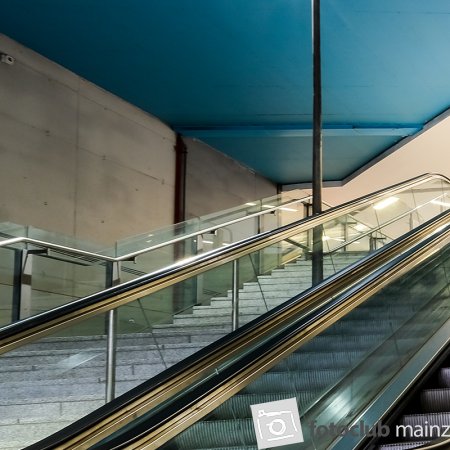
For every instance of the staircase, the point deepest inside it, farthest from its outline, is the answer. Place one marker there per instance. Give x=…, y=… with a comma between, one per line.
x=51, y=383
x=256, y=298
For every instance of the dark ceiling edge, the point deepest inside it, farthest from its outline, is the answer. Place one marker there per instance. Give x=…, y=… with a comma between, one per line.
x=339, y=183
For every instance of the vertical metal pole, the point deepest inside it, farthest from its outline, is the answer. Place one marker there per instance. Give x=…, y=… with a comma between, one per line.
x=372, y=243
x=317, y=255
x=179, y=299
x=235, y=296
x=112, y=279
x=17, y=286
x=111, y=344
x=25, y=283
x=346, y=234
x=180, y=179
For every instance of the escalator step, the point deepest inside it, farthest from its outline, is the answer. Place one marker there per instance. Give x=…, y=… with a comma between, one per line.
x=357, y=327
x=374, y=313
x=319, y=360
x=238, y=406
x=435, y=400
x=444, y=377
x=337, y=342
x=274, y=382
x=208, y=435
x=425, y=424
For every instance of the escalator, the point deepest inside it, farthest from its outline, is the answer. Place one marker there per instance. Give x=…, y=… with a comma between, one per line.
x=346, y=363
x=56, y=365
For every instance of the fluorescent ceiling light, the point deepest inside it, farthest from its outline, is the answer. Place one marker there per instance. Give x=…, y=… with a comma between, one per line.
x=269, y=206
x=386, y=202
x=207, y=242
x=251, y=204
x=440, y=203
x=288, y=209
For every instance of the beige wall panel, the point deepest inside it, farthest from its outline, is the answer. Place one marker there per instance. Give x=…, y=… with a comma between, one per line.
x=114, y=202
x=130, y=144
x=127, y=110
x=32, y=98
x=216, y=182
x=37, y=178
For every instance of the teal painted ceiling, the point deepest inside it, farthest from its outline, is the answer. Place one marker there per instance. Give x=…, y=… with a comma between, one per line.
x=237, y=74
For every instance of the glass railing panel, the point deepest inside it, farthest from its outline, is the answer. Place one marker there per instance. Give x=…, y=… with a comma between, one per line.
x=434, y=192
x=156, y=237
x=330, y=374
x=52, y=382
x=66, y=241
x=227, y=233
x=8, y=229
x=57, y=280
x=167, y=326
x=158, y=258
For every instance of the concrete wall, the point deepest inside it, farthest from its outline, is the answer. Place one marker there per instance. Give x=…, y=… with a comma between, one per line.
x=76, y=159
x=215, y=182
x=428, y=152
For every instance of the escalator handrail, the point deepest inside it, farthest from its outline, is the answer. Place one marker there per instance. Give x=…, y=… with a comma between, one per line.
x=187, y=409
x=194, y=367
x=16, y=334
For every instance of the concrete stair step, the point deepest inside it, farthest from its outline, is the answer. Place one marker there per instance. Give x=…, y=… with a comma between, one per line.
x=30, y=433
x=61, y=360
x=30, y=411
x=219, y=319
x=273, y=294
x=247, y=303
x=296, y=285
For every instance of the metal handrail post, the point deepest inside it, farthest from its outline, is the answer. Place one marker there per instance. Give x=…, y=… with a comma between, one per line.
x=112, y=279
x=235, y=296
x=17, y=286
